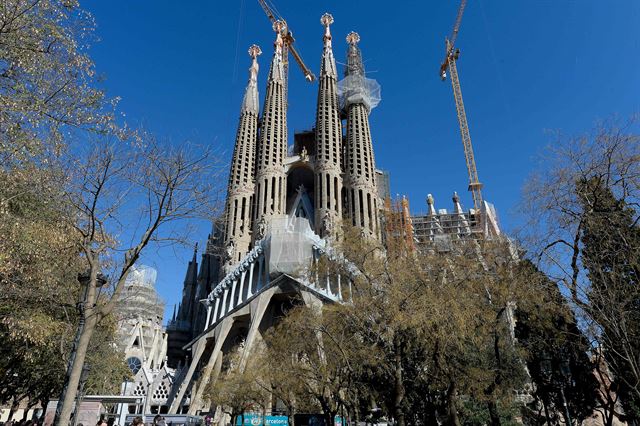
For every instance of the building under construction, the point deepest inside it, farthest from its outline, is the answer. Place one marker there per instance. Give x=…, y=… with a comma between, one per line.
x=284, y=208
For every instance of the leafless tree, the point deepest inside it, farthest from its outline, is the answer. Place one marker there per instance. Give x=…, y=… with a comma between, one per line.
x=557, y=216
x=126, y=196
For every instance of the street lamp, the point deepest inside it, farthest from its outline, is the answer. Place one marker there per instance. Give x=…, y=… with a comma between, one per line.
x=559, y=378
x=84, y=280
x=565, y=373
x=83, y=381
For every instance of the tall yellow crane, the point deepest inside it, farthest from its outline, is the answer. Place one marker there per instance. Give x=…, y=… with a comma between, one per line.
x=451, y=56
x=287, y=38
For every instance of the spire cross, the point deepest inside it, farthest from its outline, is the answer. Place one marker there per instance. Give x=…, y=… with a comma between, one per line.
x=326, y=20
x=353, y=38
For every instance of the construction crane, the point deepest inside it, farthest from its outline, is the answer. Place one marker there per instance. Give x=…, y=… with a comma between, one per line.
x=451, y=56
x=287, y=38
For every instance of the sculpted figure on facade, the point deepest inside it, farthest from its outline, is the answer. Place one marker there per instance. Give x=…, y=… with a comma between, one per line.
x=261, y=229
x=327, y=224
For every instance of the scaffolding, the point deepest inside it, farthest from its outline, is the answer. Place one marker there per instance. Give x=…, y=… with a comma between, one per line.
x=398, y=226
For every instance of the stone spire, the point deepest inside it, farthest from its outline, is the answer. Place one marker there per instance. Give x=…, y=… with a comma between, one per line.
x=328, y=179
x=463, y=224
x=272, y=144
x=360, y=184
x=457, y=208
x=430, y=203
x=241, y=184
x=189, y=287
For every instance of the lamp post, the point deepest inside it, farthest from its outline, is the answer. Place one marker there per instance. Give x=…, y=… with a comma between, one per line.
x=84, y=279
x=565, y=373
x=559, y=377
x=83, y=381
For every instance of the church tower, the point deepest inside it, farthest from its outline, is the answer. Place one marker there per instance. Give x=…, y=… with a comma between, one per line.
x=328, y=179
x=241, y=180
x=269, y=198
x=360, y=184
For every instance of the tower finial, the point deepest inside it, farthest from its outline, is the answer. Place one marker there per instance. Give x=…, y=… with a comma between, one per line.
x=254, y=52
x=326, y=20
x=279, y=27
x=250, y=101
x=353, y=38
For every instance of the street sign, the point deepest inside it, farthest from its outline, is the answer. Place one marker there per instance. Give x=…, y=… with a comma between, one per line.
x=257, y=420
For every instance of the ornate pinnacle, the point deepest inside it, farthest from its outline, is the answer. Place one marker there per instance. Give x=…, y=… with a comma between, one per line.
x=279, y=27
x=326, y=20
x=255, y=51
x=353, y=38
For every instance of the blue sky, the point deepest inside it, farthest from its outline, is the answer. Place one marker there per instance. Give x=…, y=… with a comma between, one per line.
x=526, y=67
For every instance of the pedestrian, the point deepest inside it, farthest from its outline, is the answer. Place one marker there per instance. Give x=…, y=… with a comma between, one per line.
x=101, y=422
x=137, y=421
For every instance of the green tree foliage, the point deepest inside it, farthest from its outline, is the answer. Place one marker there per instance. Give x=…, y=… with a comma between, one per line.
x=47, y=92
x=68, y=174
x=582, y=234
x=47, y=82
x=38, y=260
x=427, y=337
x=557, y=356
x=314, y=358
x=611, y=256
x=237, y=390
x=39, y=264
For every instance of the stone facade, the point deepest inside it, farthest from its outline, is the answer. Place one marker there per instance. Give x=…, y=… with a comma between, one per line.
x=254, y=263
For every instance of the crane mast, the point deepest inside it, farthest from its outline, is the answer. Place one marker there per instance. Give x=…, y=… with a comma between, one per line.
x=451, y=56
x=287, y=37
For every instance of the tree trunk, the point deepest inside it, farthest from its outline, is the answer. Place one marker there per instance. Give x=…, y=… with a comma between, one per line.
x=431, y=415
x=452, y=411
x=14, y=406
x=399, y=390
x=76, y=368
x=546, y=411
x=291, y=414
x=329, y=419
x=493, y=413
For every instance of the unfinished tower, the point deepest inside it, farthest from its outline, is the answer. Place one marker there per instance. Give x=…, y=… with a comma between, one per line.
x=272, y=144
x=359, y=98
x=328, y=179
x=241, y=180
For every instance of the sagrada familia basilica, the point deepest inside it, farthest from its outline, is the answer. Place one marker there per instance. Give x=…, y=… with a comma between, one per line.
x=283, y=209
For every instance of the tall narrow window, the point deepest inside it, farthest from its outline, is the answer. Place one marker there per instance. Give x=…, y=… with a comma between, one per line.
x=328, y=191
x=235, y=217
